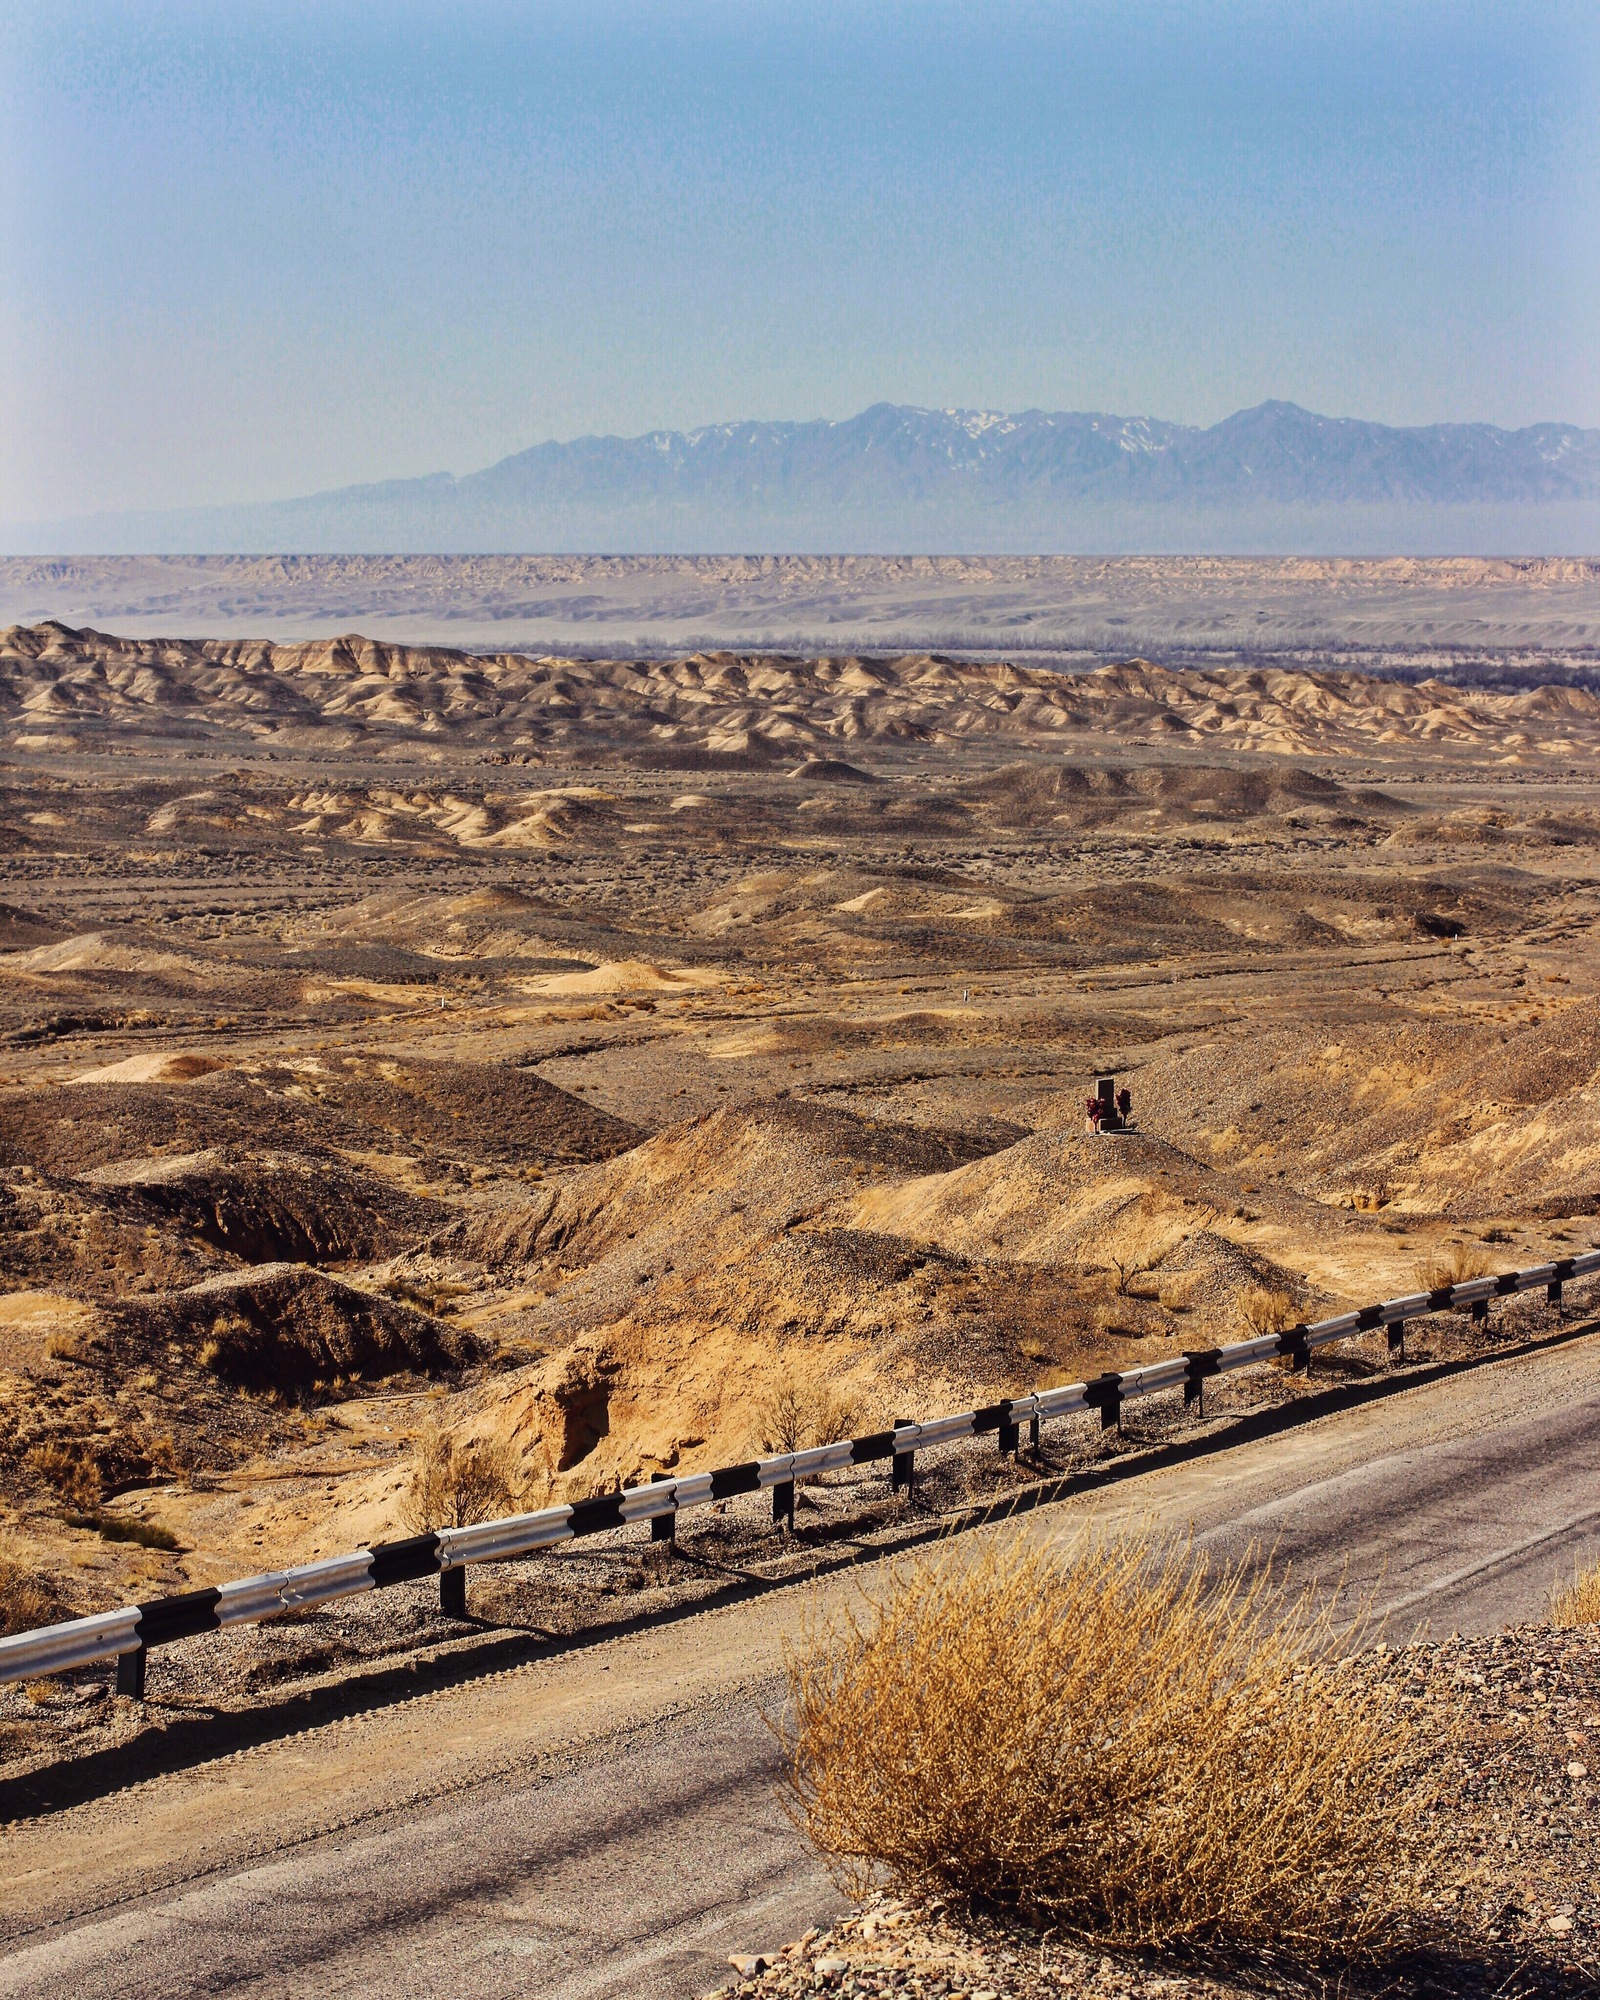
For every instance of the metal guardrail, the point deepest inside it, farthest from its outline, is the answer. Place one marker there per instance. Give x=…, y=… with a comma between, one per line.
x=128, y=1634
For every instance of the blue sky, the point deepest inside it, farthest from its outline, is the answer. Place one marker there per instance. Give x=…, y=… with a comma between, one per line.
x=250, y=250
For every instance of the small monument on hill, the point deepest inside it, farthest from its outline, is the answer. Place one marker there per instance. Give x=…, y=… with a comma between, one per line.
x=1110, y=1109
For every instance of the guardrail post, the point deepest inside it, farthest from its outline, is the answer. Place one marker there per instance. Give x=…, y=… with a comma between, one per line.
x=1007, y=1437
x=783, y=1504
x=453, y=1592
x=1552, y=1292
x=130, y=1672
x=904, y=1464
x=1396, y=1331
x=663, y=1527
x=1480, y=1311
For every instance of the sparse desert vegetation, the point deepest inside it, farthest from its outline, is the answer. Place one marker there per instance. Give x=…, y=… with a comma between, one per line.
x=429, y=1080
x=796, y=1414
x=453, y=1483
x=1453, y=1264
x=1140, y=1750
x=1577, y=1602
x=26, y=1599
x=1266, y=1308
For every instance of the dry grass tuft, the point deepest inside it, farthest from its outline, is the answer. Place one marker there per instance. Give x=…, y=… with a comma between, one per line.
x=454, y=1485
x=27, y=1601
x=1267, y=1308
x=71, y=1469
x=1452, y=1265
x=797, y=1415
x=1578, y=1602
x=1144, y=1752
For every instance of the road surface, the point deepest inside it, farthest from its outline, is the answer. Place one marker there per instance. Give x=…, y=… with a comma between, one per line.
x=604, y=1823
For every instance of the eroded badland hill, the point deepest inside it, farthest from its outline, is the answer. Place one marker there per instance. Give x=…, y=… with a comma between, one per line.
x=588, y=1056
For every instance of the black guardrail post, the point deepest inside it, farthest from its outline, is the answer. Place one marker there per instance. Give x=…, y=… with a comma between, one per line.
x=663, y=1527
x=1104, y=1394
x=1201, y=1364
x=130, y=1672
x=783, y=1505
x=905, y=1465
x=1295, y=1346
x=997, y=1417
x=1396, y=1331
x=453, y=1591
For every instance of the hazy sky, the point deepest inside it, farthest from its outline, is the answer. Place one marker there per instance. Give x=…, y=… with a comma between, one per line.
x=251, y=248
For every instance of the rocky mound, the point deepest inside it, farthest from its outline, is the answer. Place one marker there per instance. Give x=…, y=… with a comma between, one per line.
x=472, y=1112
x=288, y=1329
x=868, y=1264
x=749, y=1169
x=1465, y=1119
x=94, y=1243
x=1034, y=794
x=26, y=930
x=268, y=1208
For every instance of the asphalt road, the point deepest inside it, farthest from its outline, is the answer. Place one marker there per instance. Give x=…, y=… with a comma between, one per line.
x=607, y=1825
x=633, y=1872
x=1457, y=1535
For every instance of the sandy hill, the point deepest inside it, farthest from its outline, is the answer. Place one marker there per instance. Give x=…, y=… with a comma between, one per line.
x=1458, y=1118
x=59, y=684
x=863, y=1259
x=470, y=1112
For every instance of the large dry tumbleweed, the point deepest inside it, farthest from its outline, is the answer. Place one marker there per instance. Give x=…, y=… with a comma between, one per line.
x=1146, y=1752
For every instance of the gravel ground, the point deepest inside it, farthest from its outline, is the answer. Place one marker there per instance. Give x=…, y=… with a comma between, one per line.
x=1510, y=1903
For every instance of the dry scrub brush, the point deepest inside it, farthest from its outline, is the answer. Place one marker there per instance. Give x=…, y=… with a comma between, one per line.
x=1147, y=1753
x=1578, y=1602
x=795, y=1415
x=1267, y=1308
x=1452, y=1265
x=27, y=1600
x=1141, y=1241
x=454, y=1485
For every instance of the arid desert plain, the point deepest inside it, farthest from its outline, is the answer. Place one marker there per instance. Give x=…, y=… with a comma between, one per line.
x=581, y=1069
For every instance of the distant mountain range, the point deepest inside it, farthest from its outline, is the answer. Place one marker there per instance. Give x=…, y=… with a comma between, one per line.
x=898, y=479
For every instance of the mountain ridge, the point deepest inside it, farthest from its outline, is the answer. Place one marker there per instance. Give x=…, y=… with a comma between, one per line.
x=900, y=476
